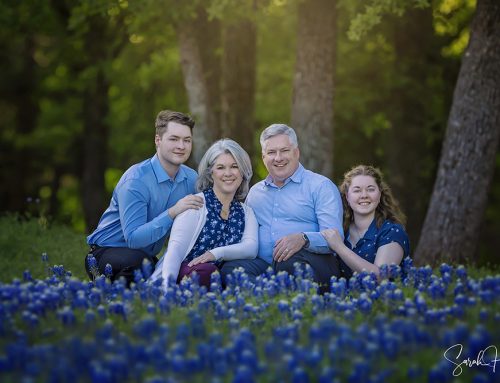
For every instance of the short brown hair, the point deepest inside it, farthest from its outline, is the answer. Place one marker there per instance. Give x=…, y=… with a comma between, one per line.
x=165, y=116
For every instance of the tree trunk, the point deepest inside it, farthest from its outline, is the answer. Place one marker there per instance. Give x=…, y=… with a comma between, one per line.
x=458, y=202
x=238, y=83
x=21, y=181
x=312, y=105
x=96, y=130
x=198, y=42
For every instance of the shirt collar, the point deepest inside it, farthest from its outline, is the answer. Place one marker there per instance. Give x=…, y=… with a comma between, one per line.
x=371, y=233
x=295, y=177
x=162, y=175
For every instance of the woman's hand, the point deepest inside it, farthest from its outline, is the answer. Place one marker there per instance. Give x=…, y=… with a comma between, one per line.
x=204, y=258
x=333, y=238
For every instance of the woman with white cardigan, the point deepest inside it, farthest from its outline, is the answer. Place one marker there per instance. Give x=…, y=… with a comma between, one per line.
x=223, y=229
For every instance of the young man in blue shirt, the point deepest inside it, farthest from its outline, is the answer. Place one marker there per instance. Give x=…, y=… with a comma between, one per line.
x=292, y=205
x=146, y=200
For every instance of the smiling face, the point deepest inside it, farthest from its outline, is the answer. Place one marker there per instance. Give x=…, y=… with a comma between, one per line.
x=174, y=146
x=363, y=195
x=226, y=176
x=280, y=157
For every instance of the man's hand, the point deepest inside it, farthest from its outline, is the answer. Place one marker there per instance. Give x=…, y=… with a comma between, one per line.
x=204, y=258
x=287, y=246
x=188, y=202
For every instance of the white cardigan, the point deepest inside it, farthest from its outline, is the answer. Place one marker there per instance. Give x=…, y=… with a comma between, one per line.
x=187, y=227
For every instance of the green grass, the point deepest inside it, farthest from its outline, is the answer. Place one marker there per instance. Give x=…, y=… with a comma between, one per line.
x=23, y=240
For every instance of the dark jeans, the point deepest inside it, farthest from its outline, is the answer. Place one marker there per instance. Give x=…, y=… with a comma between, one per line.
x=204, y=271
x=253, y=268
x=323, y=265
x=123, y=261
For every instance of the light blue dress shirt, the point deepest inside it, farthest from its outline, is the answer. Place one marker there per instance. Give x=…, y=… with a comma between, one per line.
x=307, y=202
x=137, y=215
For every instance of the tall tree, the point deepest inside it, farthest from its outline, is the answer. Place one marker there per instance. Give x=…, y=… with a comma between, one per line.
x=23, y=27
x=103, y=32
x=218, y=57
x=199, y=41
x=313, y=87
x=238, y=82
x=458, y=202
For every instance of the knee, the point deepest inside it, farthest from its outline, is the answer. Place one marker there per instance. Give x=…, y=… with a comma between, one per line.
x=227, y=268
x=284, y=266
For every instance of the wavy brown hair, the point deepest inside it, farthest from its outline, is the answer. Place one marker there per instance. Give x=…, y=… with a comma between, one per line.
x=388, y=207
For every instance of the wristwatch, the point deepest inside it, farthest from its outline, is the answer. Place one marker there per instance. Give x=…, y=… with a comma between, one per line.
x=306, y=240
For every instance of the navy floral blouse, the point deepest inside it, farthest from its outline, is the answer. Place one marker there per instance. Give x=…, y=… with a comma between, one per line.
x=218, y=232
x=373, y=239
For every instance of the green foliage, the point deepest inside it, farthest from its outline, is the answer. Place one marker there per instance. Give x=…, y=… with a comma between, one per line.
x=373, y=12
x=23, y=240
x=393, y=88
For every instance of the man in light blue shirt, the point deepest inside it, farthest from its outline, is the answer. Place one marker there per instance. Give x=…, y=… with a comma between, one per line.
x=292, y=206
x=146, y=200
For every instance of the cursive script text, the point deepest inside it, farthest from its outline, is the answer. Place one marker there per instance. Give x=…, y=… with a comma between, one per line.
x=486, y=358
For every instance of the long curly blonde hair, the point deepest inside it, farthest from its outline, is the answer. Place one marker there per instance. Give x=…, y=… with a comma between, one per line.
x=388, y=207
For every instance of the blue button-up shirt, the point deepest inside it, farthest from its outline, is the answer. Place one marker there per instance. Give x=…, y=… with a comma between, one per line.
x=137, y=215
x=374, y=238
x=307, y=202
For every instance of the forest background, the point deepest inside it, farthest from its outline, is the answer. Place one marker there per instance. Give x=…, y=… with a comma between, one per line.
x=377, y=82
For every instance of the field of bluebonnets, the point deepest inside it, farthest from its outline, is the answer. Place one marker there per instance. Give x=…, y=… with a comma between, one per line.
x=55, y=327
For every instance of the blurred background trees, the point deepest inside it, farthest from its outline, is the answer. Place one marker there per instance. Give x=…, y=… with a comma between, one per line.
x=82, y=81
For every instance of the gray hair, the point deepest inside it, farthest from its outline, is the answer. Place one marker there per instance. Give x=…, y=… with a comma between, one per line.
x=276, y=129
x=241, y=157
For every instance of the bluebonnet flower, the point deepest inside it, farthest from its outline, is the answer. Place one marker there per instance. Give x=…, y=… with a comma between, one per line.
x=445, y=269
x=364, y=303
x=327, y=375
x=67, y=316
x=420, y=303
x=243, y=375
x=299, y=375
x=137, y=276
x=90, y=317
x=27, y=276
x=101, y=310
x=100, y=282
x=108, y=270
x=283, y=306
x=146, y=268
x=461, y=272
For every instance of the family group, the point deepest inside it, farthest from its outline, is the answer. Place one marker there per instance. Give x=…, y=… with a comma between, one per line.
x=215, y=221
